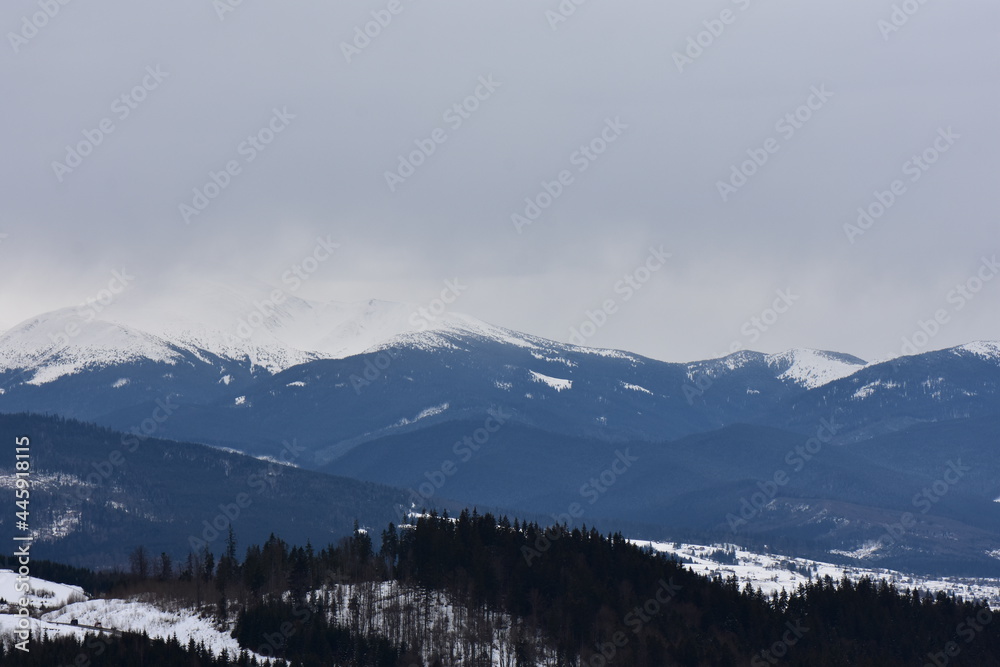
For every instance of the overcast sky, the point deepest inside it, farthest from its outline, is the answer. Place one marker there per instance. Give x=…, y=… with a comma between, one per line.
x=866, y=91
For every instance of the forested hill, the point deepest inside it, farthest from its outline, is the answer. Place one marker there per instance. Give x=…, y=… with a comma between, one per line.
x=516, y=595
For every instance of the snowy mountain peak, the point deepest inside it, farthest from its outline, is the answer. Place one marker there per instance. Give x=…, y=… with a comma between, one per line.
x=262, y=327
x=68, y=340
x=802, y=367
x=989, y=350
x=814, y=368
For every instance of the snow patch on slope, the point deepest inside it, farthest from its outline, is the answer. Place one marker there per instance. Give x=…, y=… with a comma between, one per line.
x=42, y=593
x=556, y=383
x=135, y=615
x=773, y=573
x=423, y=414
x=869, y=389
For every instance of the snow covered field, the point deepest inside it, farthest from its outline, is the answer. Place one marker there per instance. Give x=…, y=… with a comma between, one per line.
x=157, y=620
x=402, y=613
x=772, y=573
x=42, y=594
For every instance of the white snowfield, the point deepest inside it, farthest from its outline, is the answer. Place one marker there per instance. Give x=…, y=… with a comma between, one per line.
x=159, y=621
x=772, y=573
x=270, y=328
x=69, y=603
x=813, y=368
x=41, y=593
x=556, y=383
x=11, y=623
x=989, y=350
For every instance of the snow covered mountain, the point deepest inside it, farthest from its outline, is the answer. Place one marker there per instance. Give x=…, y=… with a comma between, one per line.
x=391, y=394
x=263, y=332
x=262, y=329
x=241, y=363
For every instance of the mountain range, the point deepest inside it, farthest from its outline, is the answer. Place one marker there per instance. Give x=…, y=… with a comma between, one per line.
x=446, y=406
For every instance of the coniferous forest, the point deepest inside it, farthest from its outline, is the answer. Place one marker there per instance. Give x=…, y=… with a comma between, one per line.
x=475, y=590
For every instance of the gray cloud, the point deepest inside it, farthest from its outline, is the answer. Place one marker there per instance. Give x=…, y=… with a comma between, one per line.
x=656, y=184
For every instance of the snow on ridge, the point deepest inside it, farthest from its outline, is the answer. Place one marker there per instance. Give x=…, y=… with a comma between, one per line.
x=430, y=412
x=813, y=368
x=713, y=368
x=867, y=550
x=64, y=342
x=556, y=383
x=635, y=387
x=806, y=368
x=989, y=350
x=423, y=414
x=869, y=389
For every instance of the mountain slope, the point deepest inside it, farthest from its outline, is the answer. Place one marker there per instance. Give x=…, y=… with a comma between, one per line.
x=97, y=494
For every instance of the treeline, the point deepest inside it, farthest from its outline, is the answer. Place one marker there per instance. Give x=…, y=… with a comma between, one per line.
x=477, y=590
x=129, y=650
